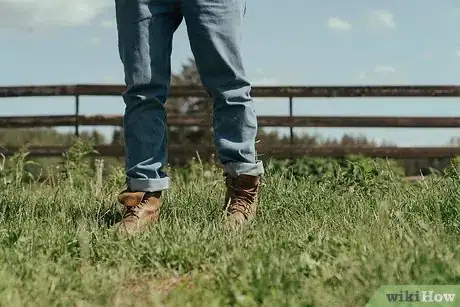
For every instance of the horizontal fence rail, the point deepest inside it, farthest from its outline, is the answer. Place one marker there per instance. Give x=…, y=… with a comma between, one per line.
x=257, y=91
x=291, y=121
x=263, y=121
x=265, y=152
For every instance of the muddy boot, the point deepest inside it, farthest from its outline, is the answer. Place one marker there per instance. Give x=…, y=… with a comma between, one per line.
x=141, y=210
x=241, y=200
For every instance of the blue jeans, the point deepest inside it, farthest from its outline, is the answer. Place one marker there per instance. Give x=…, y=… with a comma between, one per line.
x=145, y=32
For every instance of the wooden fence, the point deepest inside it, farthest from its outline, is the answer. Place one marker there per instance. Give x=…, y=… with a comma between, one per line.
x=291, y=121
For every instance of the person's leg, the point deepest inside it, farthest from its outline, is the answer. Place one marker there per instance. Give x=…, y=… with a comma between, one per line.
x=215, y=32
x=145, y=33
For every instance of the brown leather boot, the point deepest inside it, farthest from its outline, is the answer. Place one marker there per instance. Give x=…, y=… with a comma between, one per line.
x=241, y=199
x=141, y=210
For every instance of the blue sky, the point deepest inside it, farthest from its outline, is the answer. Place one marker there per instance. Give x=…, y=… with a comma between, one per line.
x=297, y=42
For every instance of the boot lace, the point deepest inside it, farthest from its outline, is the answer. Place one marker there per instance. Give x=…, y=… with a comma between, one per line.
x=131, y=211
x=241, y=200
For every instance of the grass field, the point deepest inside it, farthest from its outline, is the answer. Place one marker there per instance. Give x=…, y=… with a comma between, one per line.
x=313, y=243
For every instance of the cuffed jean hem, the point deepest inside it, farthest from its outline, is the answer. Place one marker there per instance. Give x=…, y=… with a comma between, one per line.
x=234, y=169
x=148, y=185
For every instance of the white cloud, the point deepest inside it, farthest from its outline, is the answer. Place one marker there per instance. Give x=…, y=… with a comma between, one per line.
x=382, y=18
x=384, y=69
x=337, y=24
x=47, y=14
x=458, y=52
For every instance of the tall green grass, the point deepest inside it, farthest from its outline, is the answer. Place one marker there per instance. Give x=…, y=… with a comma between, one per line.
x=329, y=242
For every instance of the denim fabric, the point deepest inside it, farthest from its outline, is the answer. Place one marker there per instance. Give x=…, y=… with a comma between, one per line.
x=145, y=32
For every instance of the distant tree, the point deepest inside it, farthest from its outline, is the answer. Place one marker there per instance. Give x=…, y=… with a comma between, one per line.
x=454, y=141
x=117, y=137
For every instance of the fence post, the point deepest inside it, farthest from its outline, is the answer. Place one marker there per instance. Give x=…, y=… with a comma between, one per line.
x=77, y=111
x=291, y=128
